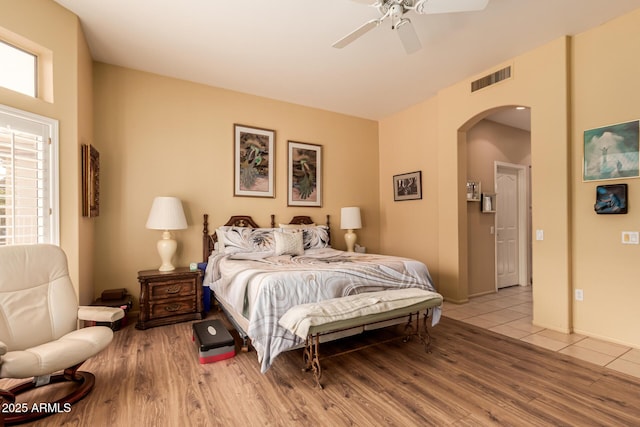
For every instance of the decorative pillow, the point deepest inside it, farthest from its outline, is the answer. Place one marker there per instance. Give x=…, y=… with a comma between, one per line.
x=250, y=256
x=288, y=243
x=316, y=237
x=220, y=242
x=297, y=225
x=243, y=239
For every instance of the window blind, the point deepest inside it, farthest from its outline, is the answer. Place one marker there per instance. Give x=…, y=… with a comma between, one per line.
x=25, y=182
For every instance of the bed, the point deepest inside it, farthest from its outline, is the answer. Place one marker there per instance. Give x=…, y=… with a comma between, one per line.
x=259, y=274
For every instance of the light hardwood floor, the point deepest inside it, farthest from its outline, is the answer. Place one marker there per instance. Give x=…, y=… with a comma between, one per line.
x=472, y=377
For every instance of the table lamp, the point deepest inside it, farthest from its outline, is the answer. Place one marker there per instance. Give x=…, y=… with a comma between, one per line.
x=350, y=220
x=166, y=214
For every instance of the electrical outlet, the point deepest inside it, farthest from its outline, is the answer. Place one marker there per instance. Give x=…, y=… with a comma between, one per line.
x=579, y=295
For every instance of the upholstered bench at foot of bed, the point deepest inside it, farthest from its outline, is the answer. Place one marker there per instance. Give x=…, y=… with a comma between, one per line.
x=311, y=321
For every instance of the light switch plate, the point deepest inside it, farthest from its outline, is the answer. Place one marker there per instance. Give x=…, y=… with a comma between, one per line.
x=539, y=234
x=630, y=238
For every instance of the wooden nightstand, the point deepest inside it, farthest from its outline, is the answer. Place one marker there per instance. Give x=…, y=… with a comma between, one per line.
x=168, y=297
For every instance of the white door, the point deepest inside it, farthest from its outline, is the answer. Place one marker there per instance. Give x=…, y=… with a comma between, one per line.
x=507, y=228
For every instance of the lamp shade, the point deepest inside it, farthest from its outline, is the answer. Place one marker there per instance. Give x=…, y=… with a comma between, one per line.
x=350, y=218
x=166, y=214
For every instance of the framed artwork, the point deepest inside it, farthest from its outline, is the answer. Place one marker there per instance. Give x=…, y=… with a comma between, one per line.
x=254, y=162
x=611, y=152
x=407, y=186
x=304, y=174
x=473, y=191
x=611, y=199
x=90, y=181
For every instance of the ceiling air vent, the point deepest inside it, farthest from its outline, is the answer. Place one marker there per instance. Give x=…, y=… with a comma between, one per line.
x=491, y=79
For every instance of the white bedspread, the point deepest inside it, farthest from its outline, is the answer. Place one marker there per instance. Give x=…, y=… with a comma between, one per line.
x=301, y=318
x=265, y=287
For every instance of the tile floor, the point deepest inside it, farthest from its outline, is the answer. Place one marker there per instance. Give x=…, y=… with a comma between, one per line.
x=509, y=312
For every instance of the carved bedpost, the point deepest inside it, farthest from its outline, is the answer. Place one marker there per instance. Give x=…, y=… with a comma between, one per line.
x=329, y=229
x=273, y=221
x=205, y=238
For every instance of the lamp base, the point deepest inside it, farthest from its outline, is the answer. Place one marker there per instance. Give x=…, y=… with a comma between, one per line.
x=166, y=249
x=350, y=238
x=169, y=267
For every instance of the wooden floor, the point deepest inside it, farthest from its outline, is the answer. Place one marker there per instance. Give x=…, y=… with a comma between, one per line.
x=473, y=377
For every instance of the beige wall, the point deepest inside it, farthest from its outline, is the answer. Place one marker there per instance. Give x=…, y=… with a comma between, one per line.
x=571, y=85
x=605, y=70
x=47, y=24
x=408, y=144
x=85, y=136
x=451, y=113
x=488, y=142
x=162, y=136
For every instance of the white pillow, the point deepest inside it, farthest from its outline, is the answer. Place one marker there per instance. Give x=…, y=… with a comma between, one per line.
x=297, y=225
x=290, y=243
x=220, y=235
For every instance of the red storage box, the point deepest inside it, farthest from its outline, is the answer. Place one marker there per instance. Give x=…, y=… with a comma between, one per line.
x=213, y=340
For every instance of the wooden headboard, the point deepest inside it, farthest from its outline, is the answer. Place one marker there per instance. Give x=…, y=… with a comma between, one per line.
x=209, y=240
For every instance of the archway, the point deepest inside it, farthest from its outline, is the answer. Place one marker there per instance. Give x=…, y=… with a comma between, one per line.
x=496, y=136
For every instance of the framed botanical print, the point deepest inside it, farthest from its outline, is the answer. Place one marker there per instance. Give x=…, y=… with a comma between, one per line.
x=304, y=174
x=254, y=162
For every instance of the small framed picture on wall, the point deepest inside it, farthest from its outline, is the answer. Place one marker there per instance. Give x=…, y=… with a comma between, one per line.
x=612, y=152
x=407, y=186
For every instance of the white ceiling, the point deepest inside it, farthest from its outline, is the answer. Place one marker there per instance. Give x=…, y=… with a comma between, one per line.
x=281, y=49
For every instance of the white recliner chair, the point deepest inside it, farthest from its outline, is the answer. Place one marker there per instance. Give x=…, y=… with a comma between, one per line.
x=39, y=335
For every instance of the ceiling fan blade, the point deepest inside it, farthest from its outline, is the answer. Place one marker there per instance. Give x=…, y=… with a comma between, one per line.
x=360, y=31
x=408, y=36
x=450, y=6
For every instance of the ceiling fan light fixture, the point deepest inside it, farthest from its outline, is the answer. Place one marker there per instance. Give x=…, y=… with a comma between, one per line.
x=396, y=9
x=408, y=36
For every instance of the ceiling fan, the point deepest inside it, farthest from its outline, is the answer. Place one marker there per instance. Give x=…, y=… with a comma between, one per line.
x=396, y=9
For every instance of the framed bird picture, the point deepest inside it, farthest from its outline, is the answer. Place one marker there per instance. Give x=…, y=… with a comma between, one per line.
x=304, y=174
x=254, y=162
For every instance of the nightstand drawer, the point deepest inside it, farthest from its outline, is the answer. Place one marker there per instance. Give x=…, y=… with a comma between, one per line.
x=171, y=289
x=172, y=308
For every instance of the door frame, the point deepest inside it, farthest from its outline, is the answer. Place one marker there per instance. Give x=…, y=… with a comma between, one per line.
x=523, y=213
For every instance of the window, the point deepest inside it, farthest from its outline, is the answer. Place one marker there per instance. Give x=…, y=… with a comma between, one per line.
x=19, y=69
x=28, y=178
